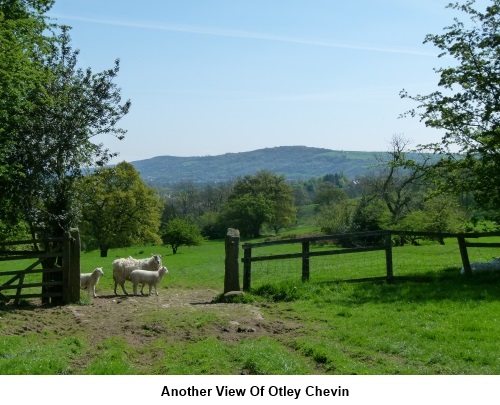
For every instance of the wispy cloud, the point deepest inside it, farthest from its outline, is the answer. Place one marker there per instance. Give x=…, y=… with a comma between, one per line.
x=199, y=30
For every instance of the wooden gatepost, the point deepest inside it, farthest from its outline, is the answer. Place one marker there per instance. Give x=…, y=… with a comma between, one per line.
x=71, y=267
x=55, y=270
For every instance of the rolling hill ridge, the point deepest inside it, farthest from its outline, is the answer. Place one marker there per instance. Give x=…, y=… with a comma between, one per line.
x=294, y=162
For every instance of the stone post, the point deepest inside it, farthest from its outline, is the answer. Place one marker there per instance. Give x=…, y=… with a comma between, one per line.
x=232, y=275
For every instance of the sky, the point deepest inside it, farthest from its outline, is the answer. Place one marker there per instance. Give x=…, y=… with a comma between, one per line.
x=208, y=77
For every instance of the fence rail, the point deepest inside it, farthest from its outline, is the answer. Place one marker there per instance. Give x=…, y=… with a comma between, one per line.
x=58, y=265
x=386, y=243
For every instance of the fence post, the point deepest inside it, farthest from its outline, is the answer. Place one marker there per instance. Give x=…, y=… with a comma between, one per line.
x=232, y=274
x=305, y=260
x=74, y=266
x=388, y=256
x=247, y=268
x=463, y=252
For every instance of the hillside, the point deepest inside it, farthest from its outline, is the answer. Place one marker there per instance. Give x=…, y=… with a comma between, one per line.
x=294, y=162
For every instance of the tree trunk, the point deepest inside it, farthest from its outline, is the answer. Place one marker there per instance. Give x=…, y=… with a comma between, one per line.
x=104, y=251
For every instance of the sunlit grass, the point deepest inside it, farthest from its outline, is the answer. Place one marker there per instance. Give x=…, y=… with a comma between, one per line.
x=38, y=354
x=114, y=359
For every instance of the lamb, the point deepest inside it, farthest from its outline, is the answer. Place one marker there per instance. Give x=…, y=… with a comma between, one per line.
x=481, y=267
x=151, y=278
x=123, y=267
x=89, y=280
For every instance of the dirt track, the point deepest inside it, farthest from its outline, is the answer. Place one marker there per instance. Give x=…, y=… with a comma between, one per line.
x=175, y=315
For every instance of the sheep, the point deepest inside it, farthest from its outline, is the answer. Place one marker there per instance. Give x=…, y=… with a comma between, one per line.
x=89, y=280
x=481, y=267
x=123, y=267
x=151, y=278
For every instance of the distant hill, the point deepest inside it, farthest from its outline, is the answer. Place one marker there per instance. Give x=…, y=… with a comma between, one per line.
x=294, y=162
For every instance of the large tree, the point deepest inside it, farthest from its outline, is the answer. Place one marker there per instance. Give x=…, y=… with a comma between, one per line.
x=263, y=198
x=467, y=106
x=399, y=181
x=51, y=122
x=118, y=209
x=24, y=39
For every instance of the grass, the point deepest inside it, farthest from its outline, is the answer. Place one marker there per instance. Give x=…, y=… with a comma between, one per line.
x=37, y=355
x=443, y=325
x=191, y=267
x=349, y=320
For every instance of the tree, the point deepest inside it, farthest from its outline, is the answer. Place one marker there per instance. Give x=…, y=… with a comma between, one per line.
x=180, y=232
x=467, y=107
x=247, y=213
x=399, y=182
x=50, y=138
x=23, y=42
x=336, y=218
x=439, y=214
x=118, y=209
x=327, y=193
x=263, y=198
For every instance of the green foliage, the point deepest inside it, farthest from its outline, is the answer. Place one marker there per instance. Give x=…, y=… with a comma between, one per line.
x=336, y=218
x=398, y=182
x=247, y=213
x=118, y=209
x=211, y=225
x=395, y=197
x=370, y=214
x=328, y=193
x=179, y=232
x=22, y=77
x=51, y=112
x=467, y=107
x=354, y=215
x=438, y=214
x=265, y=198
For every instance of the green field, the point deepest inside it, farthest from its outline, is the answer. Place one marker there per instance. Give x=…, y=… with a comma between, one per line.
x=346, y=320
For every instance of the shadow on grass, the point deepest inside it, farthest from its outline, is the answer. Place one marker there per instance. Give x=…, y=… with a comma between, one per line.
x=447, y=284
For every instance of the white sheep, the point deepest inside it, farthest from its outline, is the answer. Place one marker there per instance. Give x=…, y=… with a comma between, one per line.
x=151, y=278
x=89, y=280
x=123, y=267
x=481, y=267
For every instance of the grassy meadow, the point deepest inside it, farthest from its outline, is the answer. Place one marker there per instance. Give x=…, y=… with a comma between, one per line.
x=346, y=320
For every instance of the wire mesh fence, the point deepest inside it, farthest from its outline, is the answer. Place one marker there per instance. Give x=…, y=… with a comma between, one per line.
x=410, y=260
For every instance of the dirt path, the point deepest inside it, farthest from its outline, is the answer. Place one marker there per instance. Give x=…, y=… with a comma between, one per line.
x=176, y=314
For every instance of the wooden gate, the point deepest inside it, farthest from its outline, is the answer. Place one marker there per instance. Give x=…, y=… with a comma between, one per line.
x=54, y=276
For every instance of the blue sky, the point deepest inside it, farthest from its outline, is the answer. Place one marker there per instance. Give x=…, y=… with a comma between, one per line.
x=208, y=77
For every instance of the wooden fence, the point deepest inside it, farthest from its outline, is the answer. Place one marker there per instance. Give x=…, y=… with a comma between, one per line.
x=385, y=243
x=56, y=270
